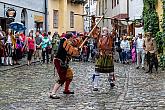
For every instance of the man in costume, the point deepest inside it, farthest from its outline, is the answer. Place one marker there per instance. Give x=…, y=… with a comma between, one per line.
x=104, y=61
x=151, y=52
x=65, y=51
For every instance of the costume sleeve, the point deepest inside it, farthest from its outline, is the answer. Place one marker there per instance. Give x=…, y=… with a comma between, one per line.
x=73, y=51
x=155, y=46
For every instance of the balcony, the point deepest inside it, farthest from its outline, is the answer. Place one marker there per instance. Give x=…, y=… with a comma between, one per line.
x=78, y=1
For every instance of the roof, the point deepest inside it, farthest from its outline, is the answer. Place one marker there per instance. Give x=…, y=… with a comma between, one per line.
x=121, y=16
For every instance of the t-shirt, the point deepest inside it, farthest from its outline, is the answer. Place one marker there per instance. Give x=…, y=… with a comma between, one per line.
x=38, y=40
x=139, y=43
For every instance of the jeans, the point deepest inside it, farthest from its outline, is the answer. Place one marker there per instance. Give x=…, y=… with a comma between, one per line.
x=124, y=56
x=140, y=57
x=45, y=52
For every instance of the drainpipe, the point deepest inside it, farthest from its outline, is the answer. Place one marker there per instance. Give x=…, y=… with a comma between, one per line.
x=127, y=17
x=46, y=15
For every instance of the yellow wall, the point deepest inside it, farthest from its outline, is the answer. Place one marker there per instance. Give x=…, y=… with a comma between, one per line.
x=78, y=20
x=64, y=7
x=159, y=9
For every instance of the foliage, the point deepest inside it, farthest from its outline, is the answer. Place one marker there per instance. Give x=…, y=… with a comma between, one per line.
x=162, y=57
x=162, y=61
x=160, y=41
x=150, y=17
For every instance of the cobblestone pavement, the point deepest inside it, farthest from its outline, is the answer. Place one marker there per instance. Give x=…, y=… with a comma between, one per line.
x=27, y=87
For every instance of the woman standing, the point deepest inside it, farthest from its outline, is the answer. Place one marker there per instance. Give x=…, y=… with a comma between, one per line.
x=9, y=43
x=17, y=55
x=30, y=43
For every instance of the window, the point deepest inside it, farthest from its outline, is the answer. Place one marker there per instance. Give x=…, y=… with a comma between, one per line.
x=117, y=1
x=114, y=3
x=105, y=4
x=55, y=18
x=71, y=19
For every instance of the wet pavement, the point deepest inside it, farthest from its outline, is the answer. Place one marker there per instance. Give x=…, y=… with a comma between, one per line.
x=27, y=88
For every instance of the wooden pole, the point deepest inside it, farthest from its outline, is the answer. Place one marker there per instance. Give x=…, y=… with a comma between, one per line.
x=91, y=32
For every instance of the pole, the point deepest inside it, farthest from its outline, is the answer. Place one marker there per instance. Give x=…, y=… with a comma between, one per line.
x=89, y=15
x=91, y=32
x=128, y=17
x=46, y=11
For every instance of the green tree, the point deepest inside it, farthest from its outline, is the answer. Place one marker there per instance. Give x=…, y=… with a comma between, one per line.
x=150, y=17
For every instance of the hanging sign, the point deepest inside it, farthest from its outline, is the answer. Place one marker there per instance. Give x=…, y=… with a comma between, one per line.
x=11, y=13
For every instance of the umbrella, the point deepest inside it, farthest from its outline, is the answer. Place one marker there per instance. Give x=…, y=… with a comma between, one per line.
x=16, y=26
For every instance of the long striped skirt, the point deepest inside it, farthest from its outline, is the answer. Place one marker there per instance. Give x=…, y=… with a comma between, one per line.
x=104, y=64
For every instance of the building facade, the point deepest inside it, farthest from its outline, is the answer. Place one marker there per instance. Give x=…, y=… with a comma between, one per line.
x=62, y=18
x=135, y=14
x=30, y=13
x=89, y=10
x=114, y=9
x=121, y=14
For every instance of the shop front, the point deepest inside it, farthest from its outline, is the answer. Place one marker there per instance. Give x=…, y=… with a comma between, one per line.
x=38, y=22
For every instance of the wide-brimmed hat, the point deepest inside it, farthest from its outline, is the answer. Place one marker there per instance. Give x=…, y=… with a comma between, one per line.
x=148, y=34
x=139, y=33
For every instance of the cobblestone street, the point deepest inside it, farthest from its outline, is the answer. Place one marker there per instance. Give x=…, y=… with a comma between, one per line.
x=27, y=88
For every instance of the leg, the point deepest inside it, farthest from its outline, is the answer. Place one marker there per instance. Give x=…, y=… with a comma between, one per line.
x=47, y=55
x=111, y=79
x=138, y=59
x=62, y=75
x=143, y=58
x=156, y=63
x=96, y=76
x=43, y=55
x=7, y=60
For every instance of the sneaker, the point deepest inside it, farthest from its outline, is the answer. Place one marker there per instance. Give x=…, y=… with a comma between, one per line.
x=54, y=96
x=95, y=89
x=112, y=84
x=143, y=68
x=137, y=67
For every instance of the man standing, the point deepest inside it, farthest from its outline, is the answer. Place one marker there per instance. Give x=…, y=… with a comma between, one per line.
x=140, y=51
x=125, y=46
x=38, y=40
x=151, y=52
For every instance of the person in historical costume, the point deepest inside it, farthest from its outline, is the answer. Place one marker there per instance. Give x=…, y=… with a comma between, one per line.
x=9, y=43
x=150, y=48
x=2, y=46
x=65, y=51
x=104, y=61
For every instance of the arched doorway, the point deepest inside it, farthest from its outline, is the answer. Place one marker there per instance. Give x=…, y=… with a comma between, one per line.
x=24, y=18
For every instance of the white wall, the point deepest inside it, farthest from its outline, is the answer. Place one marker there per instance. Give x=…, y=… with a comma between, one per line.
x=135, y=9
x=92, y=12
x=135, y=12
